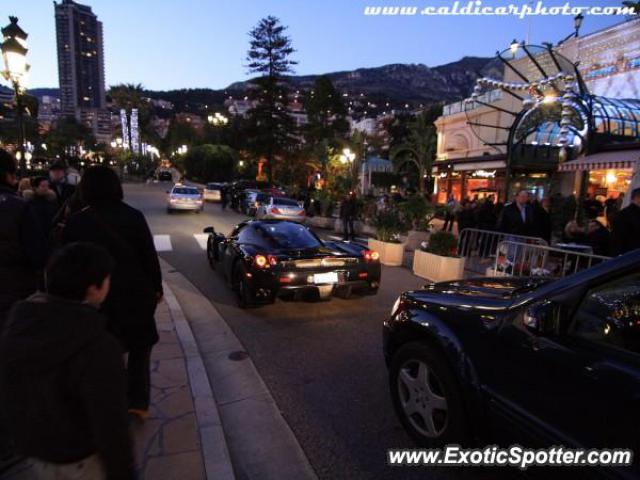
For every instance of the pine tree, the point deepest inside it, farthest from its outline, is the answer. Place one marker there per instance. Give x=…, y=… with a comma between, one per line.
x=271, y=126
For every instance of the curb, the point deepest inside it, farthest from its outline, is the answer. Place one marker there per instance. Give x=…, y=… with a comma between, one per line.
x=215, y=454
x=260, y=441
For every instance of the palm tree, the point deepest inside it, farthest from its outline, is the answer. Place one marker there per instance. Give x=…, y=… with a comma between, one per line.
x=418, y=148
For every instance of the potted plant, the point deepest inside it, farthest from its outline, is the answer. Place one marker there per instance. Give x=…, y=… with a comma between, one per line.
x=437, y=260
x=389, y=225
x=418, y=213
x=322, y=205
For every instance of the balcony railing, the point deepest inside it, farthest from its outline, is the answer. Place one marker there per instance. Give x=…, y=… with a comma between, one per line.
x=457, y=107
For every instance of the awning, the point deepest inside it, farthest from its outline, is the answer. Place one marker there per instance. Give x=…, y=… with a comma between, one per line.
x=602, y=161
x=468, y=166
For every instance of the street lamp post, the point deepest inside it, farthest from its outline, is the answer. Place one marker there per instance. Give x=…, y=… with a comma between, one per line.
x=14, y=53
x=348, y=158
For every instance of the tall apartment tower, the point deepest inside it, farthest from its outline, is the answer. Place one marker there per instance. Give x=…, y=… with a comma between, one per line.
x=81, y=67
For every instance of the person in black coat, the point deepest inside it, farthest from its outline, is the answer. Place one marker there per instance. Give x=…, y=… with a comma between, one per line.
x=62, y=378
x=136, y=285
x=516, y=218
x=625, y=233
x=349, y=213
x=43, y=201
x=541, y=225
x=58, y=183
x=23, y=247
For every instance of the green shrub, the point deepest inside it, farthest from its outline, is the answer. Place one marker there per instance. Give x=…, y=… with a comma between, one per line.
x=210, y=163
x=418, y=212
x=389, y=225
x=443, y=244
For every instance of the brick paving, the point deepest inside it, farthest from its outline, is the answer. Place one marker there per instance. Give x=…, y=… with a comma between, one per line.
x=167, y=445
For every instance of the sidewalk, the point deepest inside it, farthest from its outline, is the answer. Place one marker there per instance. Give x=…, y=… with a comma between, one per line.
x=170, y=444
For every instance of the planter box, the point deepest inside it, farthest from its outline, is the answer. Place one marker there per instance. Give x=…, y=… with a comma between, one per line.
x=436, y=268
x=391, y=254
x=415, y=238
x=320, y=222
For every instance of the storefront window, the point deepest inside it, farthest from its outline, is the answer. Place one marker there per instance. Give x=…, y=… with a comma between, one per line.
x=609, y=183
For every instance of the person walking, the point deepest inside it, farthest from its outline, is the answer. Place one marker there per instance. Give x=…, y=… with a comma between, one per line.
x=349, y=213
x=65, y=400
x=449, y=214
x=625, y=232
x=224, y=197
x=58, y=183
x=136, y=283
x=43, y=201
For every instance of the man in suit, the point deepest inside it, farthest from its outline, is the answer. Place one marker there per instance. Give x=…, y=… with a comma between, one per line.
x=625, y=234
x=517, y=217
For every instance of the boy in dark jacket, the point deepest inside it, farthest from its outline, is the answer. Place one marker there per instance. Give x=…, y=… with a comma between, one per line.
x=62, y=377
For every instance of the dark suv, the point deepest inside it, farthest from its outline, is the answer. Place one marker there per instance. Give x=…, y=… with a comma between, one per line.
x=528, y=361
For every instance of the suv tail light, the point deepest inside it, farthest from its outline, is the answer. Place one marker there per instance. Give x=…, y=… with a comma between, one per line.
x=302, y=213
x=371, y=256
x=276, y=211
x=265, y=261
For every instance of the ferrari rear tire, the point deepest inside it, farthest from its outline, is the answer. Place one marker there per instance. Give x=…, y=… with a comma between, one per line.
x=246, y=299
x=210, y=258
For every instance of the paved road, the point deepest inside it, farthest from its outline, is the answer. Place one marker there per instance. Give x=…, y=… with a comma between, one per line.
x=321, y=360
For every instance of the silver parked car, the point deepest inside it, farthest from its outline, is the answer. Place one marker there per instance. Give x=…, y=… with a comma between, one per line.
x=280, y=208
x=182, y=197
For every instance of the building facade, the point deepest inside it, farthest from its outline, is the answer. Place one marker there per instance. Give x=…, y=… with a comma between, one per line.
x=81, y=67
x=478, y=148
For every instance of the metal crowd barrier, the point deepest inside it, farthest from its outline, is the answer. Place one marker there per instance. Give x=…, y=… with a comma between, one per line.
x=525, y=260
x=479, y=247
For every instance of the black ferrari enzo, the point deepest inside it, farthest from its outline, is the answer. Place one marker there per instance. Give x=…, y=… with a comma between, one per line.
x=264, y=259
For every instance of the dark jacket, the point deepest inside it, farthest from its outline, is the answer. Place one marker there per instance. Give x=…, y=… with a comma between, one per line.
x=23, y=250
x=510, y=221
x=136, y=282
x=45, y=207
x=598, y=238
x=349, y=208
x=541, y=225
x=625, y=234
x=63, y=385
x=63, y=191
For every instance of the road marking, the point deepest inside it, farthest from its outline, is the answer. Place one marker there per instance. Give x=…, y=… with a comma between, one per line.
x=162, y=243
x=202, y=239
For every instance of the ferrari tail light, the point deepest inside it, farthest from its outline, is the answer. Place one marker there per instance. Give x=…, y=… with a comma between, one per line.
x=276, y=211
x=371, y=255
x=260, y=261
x=265, y=261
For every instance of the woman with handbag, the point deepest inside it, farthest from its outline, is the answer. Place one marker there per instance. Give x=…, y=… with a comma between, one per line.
x=136, y=284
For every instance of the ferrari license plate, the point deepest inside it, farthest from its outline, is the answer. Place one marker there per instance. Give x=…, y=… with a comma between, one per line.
x=321, y=278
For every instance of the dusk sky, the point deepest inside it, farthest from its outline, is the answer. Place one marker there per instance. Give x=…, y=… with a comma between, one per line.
x=167, y=44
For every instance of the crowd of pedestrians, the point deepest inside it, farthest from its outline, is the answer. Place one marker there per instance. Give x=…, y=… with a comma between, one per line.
x=79, y=284
x=606, y=229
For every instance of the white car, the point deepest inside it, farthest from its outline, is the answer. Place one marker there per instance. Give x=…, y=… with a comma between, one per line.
x=183, y=197
x=280, y=208
x=213, y=192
